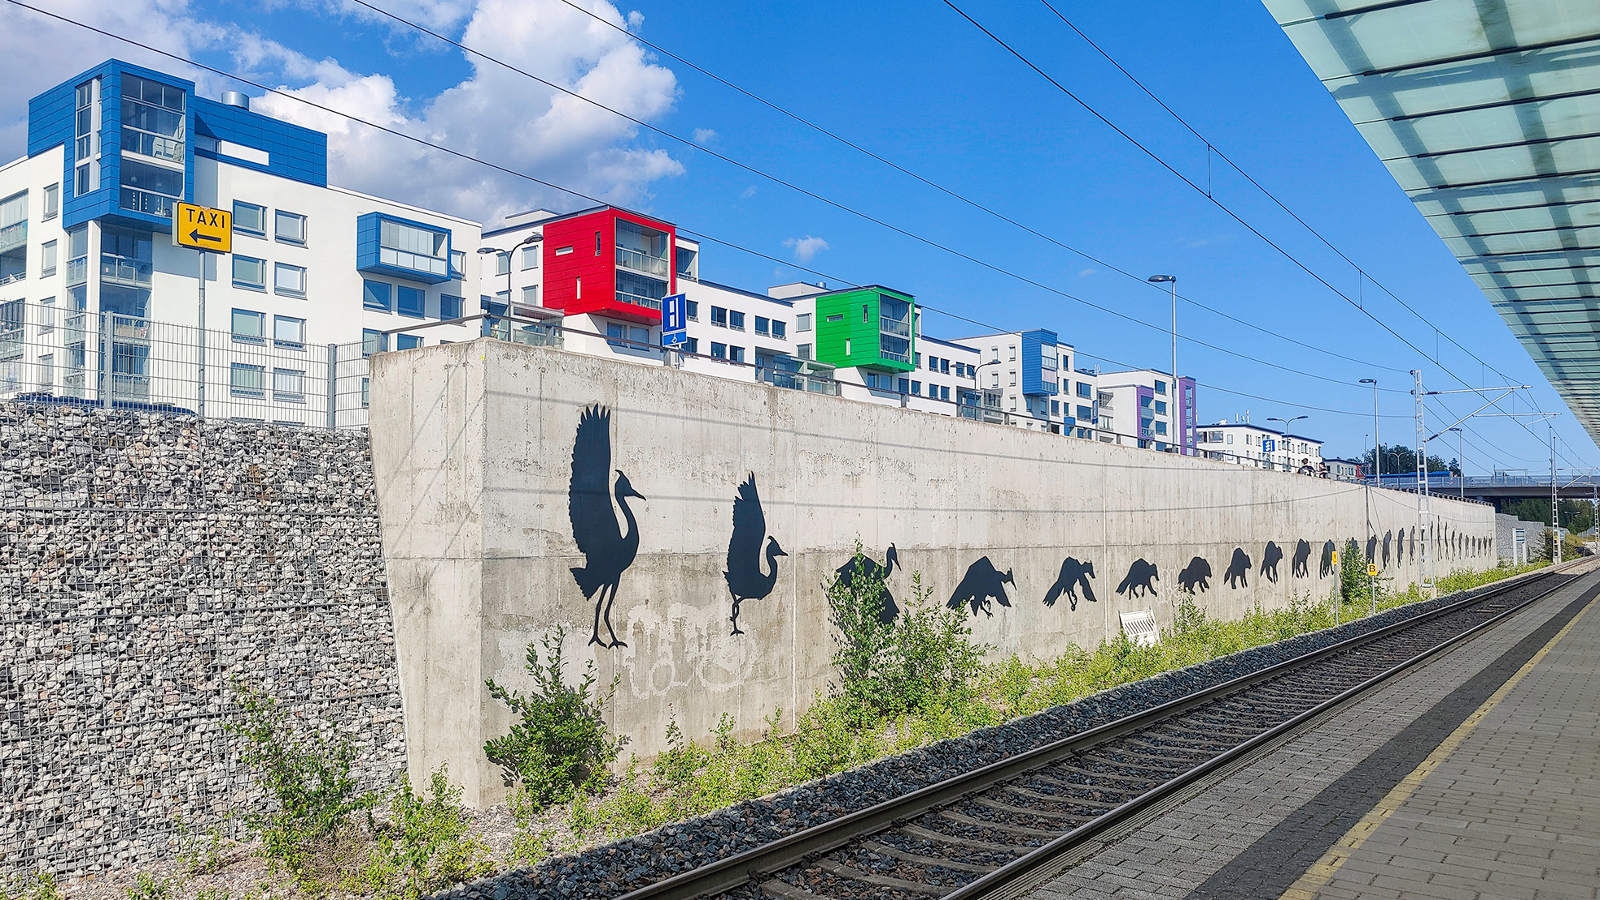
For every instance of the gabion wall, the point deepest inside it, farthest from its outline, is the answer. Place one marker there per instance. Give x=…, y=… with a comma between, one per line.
x=147, y=560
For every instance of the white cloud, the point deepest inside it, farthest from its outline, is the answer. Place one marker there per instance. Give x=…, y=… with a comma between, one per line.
x=495, y=115
x=703, y=135
x=1084, y=273
x=807, y=247
x=747, y=193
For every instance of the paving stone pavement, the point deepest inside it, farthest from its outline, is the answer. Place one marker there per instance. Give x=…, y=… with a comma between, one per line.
x=1256, y=831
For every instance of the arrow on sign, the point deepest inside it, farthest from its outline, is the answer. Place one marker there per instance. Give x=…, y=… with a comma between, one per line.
x=195, y=235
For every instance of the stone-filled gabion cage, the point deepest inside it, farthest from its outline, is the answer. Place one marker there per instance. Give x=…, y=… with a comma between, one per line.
x=146, y=561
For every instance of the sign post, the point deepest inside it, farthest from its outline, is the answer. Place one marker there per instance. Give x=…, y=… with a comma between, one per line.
x=674, y=320
x=204, y=230
x=1372, y=579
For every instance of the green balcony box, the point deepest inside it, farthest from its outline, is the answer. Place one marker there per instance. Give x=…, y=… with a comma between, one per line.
x=870, y=327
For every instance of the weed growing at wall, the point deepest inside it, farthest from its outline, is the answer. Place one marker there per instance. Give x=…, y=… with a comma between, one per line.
x=42, y=886
x=423, y=846
x=559, y=746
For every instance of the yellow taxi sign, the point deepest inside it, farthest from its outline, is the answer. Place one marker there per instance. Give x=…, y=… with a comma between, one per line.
x=1372, y=568
x=202, y=228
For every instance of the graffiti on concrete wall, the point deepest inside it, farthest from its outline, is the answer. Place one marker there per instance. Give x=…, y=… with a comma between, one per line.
x=608, y=551
x=981, y=583
x=1197, y=574
x=1300, y=567
x=745, y=577
x=1269, y=561
x=1139, y=580
x=1074, y=575
x=1238, y=572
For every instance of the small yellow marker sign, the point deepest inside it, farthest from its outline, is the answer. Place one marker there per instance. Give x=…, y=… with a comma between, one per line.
x=202, y=228
x=1372, y=569
x=1336, y=557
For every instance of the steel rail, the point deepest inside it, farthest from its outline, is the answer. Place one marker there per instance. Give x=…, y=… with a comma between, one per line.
x=759, y=862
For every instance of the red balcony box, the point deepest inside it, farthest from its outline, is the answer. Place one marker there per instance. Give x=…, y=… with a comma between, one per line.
x=609, y=262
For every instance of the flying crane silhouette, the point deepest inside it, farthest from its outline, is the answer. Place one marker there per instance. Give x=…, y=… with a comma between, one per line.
x=607, y=551
x=745, y=579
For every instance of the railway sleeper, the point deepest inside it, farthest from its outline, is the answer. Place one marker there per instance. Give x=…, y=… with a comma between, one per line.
x=1132, y=782
x=1019, y=830
x=1054, y=815
x=1079, y=795
x=928, y=834
x=907, y=856
x=840, y=870
x=783, y=890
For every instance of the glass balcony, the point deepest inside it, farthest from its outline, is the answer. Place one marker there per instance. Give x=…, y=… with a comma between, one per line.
x=13, y=236
x=78, y=270
x=537, y=335
x=886, y=353
x=641, y=262
x=145, y=202
x=124, y=270
x=897, y=327
x=637, y=299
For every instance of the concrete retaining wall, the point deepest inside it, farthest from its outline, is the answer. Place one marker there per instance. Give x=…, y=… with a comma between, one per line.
x=473, y=451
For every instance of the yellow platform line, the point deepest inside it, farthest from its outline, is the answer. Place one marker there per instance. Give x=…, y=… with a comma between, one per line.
x=1322, y=871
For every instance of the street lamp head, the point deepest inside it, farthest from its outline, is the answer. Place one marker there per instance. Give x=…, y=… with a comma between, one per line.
x=488, y=250
x=1161, y=279
x=1369, y=381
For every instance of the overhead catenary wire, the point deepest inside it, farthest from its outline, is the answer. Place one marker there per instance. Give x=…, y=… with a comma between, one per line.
x=574, y=192
x=1213, y=200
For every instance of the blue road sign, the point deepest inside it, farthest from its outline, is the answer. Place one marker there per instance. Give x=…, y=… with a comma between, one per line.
x=1268, y=445
x=674, y=313
x=674, y=338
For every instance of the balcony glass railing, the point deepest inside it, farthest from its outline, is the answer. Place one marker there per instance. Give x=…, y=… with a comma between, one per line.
x=638, y=299
x=641, y=262
x=899, y=327
x=537, y=335
x=145, y=202
x=13, y=236
x=78, y=270
x=897, y=357
x=795, y=381
x=124, y=270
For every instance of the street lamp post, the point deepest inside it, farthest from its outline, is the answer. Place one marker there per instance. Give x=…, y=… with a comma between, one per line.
x=1286, y=428
x=1461, y=460
x=1177, y=403
x=977, y=389
x=485, y=251
x=1377, y=454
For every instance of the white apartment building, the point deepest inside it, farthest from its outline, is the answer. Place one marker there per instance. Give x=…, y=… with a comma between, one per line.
x=101, y=307
x=1143, y=407
x=1257, y=446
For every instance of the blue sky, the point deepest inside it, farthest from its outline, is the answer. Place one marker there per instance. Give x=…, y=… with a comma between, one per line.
x=913, y=82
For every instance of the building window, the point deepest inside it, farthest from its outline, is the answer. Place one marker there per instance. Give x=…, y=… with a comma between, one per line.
x=944, y=393
x=1161, y=427
x=803, y=351
x=944, y=366
x=249, y=272
x=780, y=329
x=289, y=280
x=248, y=218
x=247, y=380
x=530, y=295
x=373, y=341
x=249, y=327
x=616, y=334
x=916, y=388
x=1055, y=407
x=47, y=258
x=1013, y=377
x=802, y=322
x=736, y=354
x=407, y=342
x=86, y=131
x=763, y=326
x=692, y=345
x=1085, y=412
x=1161, y=407
x=719, y=316
x=449, y=306
x=411, y=247
x=502, y=263
x=458, y=263
x=289, y=385
x=290, y=227
x=410, y=301
x=375, y=295
x=289, y=332
x=1161, y=386
x=905, y=386
x=719, y=351
x=1013, y=352
x=692, y=310
x=47, y=315
x=735, y=320
x=52, y=201
x=530, y=258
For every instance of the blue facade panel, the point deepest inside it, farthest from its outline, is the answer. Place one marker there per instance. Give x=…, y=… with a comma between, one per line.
x=369, y=259
x=293, y=152
x=1040, y=363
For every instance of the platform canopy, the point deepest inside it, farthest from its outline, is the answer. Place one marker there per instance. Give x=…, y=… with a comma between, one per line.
x=1487, y=113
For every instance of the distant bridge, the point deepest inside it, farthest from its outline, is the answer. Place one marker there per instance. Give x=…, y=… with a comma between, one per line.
x=1570, y=485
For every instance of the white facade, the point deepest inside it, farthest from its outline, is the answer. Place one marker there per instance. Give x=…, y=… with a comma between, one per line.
x=1129, y=415
x=1259, y=447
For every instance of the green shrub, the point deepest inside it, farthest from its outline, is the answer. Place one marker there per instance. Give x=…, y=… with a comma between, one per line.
x=307, y=779
x=424, y=846
x=148, y=887
x=559, y=745
x=41, y=887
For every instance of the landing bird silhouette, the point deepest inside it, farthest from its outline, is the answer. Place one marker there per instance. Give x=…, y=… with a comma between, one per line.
x=746, y=581
x=981, y=582
x=1073, y=575
x=607, y=551
x=871, y=570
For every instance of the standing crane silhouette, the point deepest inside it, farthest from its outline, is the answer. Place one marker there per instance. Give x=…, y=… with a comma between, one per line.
x=607, y=551
x=745, y=579
x=870, y=570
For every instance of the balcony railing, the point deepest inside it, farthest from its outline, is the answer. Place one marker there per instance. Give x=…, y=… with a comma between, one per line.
x=13, y=236
x=124, y=270
x=643, y=263
x=796, y=381
x=897, y=327
x=145, y=202
x=638, y=300
x=77, y=270
x=897, y=357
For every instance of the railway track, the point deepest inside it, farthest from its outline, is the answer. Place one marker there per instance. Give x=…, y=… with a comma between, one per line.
x=978, y=833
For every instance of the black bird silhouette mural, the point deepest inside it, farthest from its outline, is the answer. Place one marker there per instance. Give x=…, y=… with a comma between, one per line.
x=1413, y=544
x=745, y=579
x=1400, y=546
x=870, y=569
x=1326, y=567
x=1302, y=556
x=1388, y=536
x=1238, y=569
x=1073, y=575
x=981, y=582
x=607, y=550
x=1269, y=561
x=1139, y=580
x=1197, y=574
x=1372, y=549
